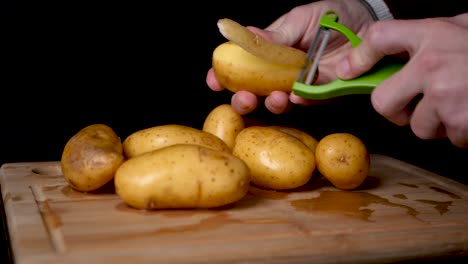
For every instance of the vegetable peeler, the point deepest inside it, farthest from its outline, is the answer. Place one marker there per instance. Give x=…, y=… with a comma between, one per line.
x=363, y=84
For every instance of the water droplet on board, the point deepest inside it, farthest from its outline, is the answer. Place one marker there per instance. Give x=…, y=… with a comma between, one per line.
x=347, y=203
x=452, y=195
x=441, y=207
x=267, y=194
x=408, y=185
x=400, y=196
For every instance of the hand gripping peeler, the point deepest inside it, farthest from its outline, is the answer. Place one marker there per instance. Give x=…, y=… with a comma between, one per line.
x=363, y=84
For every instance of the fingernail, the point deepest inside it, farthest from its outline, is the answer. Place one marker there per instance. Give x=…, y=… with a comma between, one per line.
x=343, y=69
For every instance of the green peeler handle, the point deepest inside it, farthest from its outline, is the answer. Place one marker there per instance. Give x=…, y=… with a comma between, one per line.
x=363, y=84
x=330, y=20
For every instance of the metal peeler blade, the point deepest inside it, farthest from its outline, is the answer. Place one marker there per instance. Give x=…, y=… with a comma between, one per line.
x=363, y=84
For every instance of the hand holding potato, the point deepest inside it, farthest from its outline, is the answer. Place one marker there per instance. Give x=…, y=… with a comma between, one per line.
x=297, y=29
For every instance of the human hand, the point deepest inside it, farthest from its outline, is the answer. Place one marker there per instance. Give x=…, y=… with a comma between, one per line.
x=297, y=28
x=436, y=69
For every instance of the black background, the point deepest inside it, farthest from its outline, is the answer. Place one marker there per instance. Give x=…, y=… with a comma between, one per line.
x=132, y=65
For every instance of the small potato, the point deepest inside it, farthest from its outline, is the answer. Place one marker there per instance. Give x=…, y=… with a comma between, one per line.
x=91, y=157
x=303, y=136
x=182, y=176
x=276, y=159
x=343, y=159
x=157, y=137
x=225, y=123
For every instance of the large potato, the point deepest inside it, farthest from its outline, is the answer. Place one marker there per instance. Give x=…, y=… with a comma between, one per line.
x=91, y=157
x=343, y=159
x=182, y=176
x=225, y=123
x=276, y=159
x=153, y=138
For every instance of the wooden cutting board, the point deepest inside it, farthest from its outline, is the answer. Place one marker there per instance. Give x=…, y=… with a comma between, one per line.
x=401, y=212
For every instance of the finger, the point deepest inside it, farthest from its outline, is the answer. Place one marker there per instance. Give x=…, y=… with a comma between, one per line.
x=297, y=100
x=389, y=37
x=294, y=27
x=393, y=98
x=277, y=102
x=244, y=102
x=425, y=122
x=458, y=138
x=212, y=81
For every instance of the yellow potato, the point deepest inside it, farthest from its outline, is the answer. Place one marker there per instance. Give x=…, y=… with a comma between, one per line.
x=303, y=136
x=276, y=159
x=343, y=159
x=182, y=176
x=91, y=157
x=153, y=138
x=225, y=123
x=249, y=62
x=236, y=69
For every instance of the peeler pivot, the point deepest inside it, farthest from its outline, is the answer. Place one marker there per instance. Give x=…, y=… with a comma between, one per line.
x=363, y=84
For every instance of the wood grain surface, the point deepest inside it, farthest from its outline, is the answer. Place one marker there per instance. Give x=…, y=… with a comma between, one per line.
x=401, y=212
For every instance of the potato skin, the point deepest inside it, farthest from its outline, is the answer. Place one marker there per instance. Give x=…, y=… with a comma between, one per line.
x=182, y=176
x=157, y=137
x=276, y=159
x=236, y=69
x=225, y=123
x=91, y=157
x=343, y=159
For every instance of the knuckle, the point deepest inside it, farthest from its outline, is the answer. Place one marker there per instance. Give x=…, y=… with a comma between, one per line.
x=430, y=61
x=436, y=91
x=376, y=33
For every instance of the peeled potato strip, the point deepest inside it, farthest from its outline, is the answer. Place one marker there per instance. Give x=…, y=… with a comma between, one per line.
x=259, y=46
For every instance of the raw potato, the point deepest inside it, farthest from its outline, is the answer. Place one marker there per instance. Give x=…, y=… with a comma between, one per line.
x=343, y=159
x=182, y=176
x=249, y=62
x=236, y=69
x=303, y=136
x=276, y=159
x=157, y=137
x=91, y=157
x=225, y=123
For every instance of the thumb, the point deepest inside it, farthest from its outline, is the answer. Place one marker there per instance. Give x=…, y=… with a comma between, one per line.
x=286, y=30
x=390, y=37
x=358, y=61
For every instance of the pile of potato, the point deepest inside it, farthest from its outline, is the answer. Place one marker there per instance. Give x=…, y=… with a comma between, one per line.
x=176, y=166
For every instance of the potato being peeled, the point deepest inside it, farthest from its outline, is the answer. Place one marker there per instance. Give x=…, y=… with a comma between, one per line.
x=182, y=176
x=236, y=69
x=91, y=157
x=250, y=62
x=225, y=123
x=343, y=159
x=276, y=159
